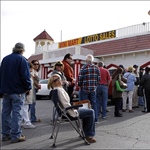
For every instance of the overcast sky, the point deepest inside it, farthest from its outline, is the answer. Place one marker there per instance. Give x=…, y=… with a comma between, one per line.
x=22, y=21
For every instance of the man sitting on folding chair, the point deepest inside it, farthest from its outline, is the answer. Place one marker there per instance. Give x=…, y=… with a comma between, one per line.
x=86, y=115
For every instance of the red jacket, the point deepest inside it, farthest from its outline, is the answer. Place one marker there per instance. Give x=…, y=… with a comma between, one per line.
x=68, y=72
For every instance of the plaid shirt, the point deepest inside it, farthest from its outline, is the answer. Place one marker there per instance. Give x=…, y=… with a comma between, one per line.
x=89, y=77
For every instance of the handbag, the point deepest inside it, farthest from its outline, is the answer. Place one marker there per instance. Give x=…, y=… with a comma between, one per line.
x=120, y=85
x=137, y=81
x=140, y=91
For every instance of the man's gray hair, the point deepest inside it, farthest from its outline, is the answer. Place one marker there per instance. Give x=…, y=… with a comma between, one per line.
x=19, y=48
x=89, y=58
x=101, y=64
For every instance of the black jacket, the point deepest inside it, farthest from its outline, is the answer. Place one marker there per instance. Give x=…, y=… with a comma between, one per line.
x=145, y=81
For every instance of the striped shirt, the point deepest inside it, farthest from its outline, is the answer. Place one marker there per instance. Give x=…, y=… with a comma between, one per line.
x=89, y=77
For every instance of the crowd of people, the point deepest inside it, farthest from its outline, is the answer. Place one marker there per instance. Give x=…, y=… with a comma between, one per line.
x=19, y=84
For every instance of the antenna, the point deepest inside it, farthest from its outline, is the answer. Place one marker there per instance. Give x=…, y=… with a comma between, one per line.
x=61, y=35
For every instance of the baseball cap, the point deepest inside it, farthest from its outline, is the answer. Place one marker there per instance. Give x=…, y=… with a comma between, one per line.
x=121, y=66
x=135, y=66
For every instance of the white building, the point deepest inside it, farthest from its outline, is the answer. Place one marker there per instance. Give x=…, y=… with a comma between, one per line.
x=126, y=46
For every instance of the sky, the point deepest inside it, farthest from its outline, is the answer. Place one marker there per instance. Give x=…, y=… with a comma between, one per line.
x=22, y=21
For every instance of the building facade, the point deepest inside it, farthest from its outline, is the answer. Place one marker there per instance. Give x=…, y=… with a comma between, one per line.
x=126, y=46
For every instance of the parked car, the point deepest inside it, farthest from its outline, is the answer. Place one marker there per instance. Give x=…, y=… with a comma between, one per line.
x=43, y=91
x=76, y=90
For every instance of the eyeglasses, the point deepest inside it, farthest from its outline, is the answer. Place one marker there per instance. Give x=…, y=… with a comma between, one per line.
x=35, y=64
x=70, y=58
x=56, y=79
x=59, y=65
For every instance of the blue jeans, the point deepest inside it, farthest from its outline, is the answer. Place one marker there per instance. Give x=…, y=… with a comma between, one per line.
x=141, y=101
x=91, y=96
x=79, y=94
x=32, y=112
x=12, y=115
x=102, y=99
x=88, y=119
x=32, y=109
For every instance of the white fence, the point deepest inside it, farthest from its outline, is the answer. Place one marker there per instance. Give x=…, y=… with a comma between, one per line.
x=132, y=30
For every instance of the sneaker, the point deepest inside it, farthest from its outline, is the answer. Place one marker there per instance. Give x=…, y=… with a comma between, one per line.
x=118, y=115
x=22, y=138
x=91, y=140
x=137, y=106
x=123, y=110
x=38, y=120
x=31, y=126
x=6, y=138
x=96, y=122
x=104, y=117
x=131, y=111
x=144, y=111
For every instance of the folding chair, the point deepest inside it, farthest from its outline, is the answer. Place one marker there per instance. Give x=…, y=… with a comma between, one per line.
x=59, y=113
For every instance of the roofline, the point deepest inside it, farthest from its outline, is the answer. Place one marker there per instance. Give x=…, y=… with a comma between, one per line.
x=114, y=54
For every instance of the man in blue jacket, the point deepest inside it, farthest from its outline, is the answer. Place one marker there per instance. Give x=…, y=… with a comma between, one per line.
x=14, y=83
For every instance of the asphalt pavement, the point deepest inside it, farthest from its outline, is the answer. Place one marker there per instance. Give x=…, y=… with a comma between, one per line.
x=132, y=131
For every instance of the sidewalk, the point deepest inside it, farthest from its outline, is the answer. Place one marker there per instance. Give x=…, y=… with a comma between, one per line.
x=132, y=131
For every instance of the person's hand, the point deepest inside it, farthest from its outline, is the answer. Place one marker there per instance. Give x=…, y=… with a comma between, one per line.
x=73, y=81
x=39, y=86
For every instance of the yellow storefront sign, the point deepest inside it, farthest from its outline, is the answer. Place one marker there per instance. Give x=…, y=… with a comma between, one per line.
x=88, y=39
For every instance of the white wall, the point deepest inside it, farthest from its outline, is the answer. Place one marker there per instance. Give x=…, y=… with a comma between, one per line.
x=128, y=59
